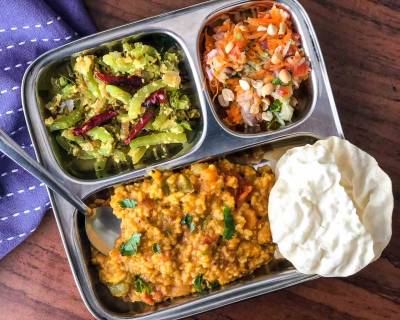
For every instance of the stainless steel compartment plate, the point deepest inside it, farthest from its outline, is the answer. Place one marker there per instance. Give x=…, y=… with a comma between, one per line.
x=183, y=25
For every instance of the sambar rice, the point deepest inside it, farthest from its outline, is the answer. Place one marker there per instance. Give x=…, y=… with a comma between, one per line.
x=188, y=231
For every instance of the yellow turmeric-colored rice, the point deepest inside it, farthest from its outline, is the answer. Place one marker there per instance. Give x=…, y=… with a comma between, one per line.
x=188, y=231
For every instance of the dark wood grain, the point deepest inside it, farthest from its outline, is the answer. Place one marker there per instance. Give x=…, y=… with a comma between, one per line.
x=360, y=40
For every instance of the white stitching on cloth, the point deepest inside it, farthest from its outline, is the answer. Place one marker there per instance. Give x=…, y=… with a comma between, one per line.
x=12, y=194
x=15, y=131
x=17, y=65
x=11, y=46
x=8, y=112
x=38, y=25
x=17, y=236
x=9, y=90
x=14, y=215
x=6, y=173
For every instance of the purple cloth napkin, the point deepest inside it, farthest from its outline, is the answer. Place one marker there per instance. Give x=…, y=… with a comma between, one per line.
x=27, y=29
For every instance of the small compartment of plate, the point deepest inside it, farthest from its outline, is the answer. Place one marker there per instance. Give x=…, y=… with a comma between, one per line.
x=83, y=169
x=305, y=94
x=268, y=274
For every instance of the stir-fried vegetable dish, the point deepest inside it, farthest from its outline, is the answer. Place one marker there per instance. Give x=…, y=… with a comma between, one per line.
x=254, y=65
x=115, y=110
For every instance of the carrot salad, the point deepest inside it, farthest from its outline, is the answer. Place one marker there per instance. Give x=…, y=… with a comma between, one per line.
x=254, y=66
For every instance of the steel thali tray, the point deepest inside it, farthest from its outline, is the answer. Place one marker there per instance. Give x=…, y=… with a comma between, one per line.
x=184, y=27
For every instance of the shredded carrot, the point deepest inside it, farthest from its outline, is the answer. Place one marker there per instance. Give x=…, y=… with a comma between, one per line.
x=234, y=114
x=263, y=21
x=258, y=75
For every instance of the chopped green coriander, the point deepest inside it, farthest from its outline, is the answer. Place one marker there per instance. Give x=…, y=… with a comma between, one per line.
x=130, y=247
x=199, y=283
x=128, y=203
x=156, y=248
x=188, y=220
x=229, y=224
x=276, y=106
x=142, y=286
x=278, y=82
x=214, y=285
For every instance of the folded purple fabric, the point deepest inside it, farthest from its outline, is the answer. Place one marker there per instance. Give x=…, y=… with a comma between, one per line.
x=27, y=29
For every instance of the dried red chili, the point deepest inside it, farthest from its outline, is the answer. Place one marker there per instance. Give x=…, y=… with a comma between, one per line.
x=94, y=122
x=131, y=82
x=156, y=98
x=138, y=127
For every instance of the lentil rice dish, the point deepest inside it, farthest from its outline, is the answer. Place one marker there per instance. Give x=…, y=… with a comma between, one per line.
x=188, y=231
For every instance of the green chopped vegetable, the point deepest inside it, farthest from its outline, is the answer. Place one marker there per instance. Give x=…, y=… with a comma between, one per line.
x=119, y=156
x=131, y=247
x=276, y=106
x=119, y=289
x=99, y=167
x=120, y=81
x=118, y=63
x=85, y=65
x=278, y=82
x=156, y=248
x=229, y=224
x=179, y=101
x=101, y=134
x=68, y=120
x=188, y=221
x=68, y=91
x=184, y=184
x=118, y=94
x=170, y=62
x=186, y=125
x=136, y=154
x=142, y=286
x=135, y=104
x=128, y=203
x=199, y=283
x=158, y=138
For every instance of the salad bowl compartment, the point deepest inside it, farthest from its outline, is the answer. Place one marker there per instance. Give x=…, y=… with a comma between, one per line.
x=305, y=93
x=211, y=140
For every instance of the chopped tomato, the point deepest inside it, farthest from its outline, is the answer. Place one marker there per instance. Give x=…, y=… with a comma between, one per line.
x=283, y=91
x=302, y=70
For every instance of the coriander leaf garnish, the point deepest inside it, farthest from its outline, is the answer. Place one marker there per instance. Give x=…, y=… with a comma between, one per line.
x=229, y=224
x=142, y=286
x=130, y=247
x=213, y=285
x=128, y=203
x=278, y=82
x=199, y=283
x=156, y=248
x=276, y=106
x=188, y=220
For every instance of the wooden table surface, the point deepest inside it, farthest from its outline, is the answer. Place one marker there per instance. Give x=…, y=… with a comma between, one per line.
x=360, y=40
